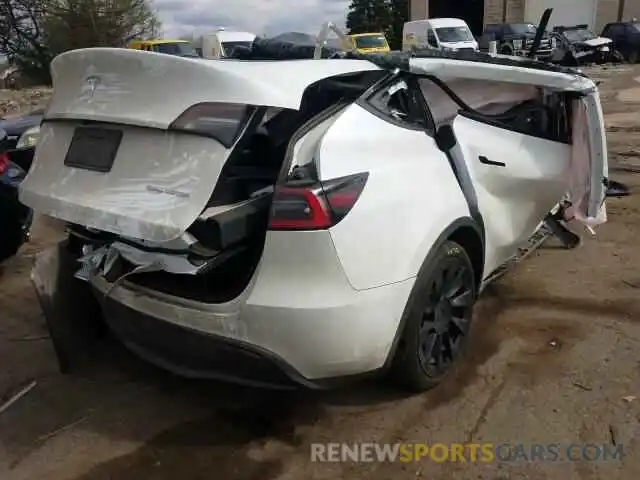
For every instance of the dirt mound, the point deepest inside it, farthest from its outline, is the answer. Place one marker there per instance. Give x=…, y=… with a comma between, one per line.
x=19, y=102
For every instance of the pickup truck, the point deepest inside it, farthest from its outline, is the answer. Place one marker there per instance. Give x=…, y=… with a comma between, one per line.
x=516, y=39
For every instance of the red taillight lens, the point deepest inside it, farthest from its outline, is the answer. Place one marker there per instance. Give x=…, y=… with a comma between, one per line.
x=315, y=207
x=4, y=162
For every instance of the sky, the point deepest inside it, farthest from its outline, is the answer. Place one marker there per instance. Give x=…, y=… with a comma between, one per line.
x=269, y=17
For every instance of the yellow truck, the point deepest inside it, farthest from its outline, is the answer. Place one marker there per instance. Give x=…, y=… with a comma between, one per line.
x=181, y=48
x=367, y=42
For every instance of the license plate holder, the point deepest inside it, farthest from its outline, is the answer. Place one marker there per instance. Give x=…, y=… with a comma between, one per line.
x=93, y=148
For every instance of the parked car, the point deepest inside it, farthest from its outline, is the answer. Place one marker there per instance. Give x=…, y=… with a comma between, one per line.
x=576, y=45
x=516, y=39
x=181, y=48
x=438, y=34
x=222, y=43
x=296, y=222
x=375, y=42
x=626, y=38
x=22, y=131
x=15, y=218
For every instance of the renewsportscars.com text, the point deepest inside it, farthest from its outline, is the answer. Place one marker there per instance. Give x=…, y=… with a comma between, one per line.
x=471, y=452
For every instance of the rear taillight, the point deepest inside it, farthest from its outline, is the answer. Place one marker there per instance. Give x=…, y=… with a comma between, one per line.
x=315, y=206
x=4, y=162
x=221, y=121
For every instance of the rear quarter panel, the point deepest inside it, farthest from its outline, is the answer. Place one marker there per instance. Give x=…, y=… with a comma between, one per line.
x=410, y=198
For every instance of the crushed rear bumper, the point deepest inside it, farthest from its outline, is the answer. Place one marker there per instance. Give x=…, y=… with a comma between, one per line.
x=195, y=354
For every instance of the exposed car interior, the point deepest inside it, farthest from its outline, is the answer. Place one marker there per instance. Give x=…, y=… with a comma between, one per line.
x=523, y=109
x=232, y=229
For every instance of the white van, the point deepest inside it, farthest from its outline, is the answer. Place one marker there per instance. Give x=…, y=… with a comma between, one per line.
x=221, y=43
x=439, y=34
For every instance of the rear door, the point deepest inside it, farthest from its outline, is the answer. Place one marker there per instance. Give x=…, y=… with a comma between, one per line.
x=519, y=174
x=517, y=180
x=512, y=180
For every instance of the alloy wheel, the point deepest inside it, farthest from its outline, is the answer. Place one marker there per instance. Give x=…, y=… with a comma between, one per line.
x=446, y=319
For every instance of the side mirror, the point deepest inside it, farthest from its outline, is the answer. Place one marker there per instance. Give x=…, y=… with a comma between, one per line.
x=445, y=138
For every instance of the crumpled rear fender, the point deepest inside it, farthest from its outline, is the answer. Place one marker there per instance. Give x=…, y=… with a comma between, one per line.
x=71, y=311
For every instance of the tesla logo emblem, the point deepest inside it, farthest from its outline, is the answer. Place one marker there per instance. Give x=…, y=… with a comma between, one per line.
x=92, y=85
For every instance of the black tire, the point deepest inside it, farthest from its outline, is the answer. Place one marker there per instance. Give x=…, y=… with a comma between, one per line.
x=11, y=239
x=616, y=57
x=437, y=320
x=632, y=57
x=13, y=216
x=506, y=50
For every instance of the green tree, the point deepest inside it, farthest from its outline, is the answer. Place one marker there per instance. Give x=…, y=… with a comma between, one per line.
x=399, y=16
x=366, y=16
x=387, y=16
x=32, y=32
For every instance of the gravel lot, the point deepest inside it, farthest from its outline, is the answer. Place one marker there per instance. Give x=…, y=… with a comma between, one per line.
x=555, y=360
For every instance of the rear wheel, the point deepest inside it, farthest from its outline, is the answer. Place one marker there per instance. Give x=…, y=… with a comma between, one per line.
x=438, y=320
x=632, y=57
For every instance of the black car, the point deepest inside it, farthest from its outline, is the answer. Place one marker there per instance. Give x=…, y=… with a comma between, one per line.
x=626, y=38
x=15, y=218
x=515, y=39
x=15, y=127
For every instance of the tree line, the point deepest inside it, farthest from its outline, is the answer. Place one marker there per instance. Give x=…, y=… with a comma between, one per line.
x=33, y=32
x=387, y=16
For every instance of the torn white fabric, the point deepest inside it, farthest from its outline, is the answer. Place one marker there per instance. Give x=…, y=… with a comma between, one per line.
x=584, y=190
x=488, y=97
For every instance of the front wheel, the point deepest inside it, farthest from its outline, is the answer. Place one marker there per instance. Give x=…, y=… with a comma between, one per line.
x=616, y=57
x=437, y=320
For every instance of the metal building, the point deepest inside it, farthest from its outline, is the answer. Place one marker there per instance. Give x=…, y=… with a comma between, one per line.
x=477, y=13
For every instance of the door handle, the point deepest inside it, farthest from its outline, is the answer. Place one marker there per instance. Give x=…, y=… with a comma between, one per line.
x=486, y=161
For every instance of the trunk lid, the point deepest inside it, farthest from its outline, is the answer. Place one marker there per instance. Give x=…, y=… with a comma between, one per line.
x=141, y=88
x=158, y=185
x=111, y=156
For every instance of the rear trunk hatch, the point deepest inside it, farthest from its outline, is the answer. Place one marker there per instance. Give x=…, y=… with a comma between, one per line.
x=110, y=155
x=157, y=185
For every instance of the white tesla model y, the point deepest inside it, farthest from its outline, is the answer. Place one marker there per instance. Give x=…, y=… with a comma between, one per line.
x=297, y=222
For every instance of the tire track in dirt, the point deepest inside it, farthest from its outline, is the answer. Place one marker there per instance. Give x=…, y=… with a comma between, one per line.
x=272, y=438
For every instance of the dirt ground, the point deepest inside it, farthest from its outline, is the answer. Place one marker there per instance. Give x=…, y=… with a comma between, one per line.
x=555, y=359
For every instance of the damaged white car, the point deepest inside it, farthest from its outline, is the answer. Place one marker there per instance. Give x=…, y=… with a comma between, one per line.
x=297, y=222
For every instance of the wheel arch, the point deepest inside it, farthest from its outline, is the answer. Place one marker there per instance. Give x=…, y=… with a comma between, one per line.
x=469, y=234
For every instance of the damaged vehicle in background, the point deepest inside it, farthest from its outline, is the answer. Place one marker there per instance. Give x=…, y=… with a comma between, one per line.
x=517, y=39
x=626, y=38
x=577, y=45
x=289, y=222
